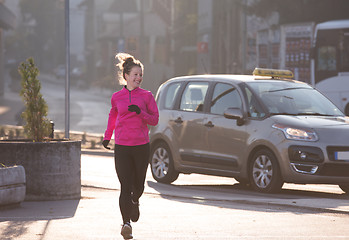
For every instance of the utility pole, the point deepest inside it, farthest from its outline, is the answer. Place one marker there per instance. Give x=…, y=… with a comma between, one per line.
x=141, y=37
x=122, y=22
x=67, y=69
x=244, y=36
x=230, y=54
x=2, y=78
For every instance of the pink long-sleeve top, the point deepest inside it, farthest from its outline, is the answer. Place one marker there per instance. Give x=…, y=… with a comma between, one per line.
x=131, y=129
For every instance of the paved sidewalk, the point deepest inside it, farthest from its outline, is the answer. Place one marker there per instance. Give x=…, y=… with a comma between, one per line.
x=169, y=209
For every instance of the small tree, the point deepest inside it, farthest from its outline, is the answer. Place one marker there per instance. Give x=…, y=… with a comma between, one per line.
x=37, y=126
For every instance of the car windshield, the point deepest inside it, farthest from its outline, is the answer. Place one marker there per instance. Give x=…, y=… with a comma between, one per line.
x=293, y=98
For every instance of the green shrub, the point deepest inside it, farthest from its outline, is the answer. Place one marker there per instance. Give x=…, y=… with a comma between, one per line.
x=37, y=126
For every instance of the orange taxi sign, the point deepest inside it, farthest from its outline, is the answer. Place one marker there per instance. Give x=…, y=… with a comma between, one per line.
x=274, y=73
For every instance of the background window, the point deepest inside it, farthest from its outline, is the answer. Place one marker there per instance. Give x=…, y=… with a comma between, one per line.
x=327, y=58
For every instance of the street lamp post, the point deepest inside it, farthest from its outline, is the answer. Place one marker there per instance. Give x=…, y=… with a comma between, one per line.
x=67, y=69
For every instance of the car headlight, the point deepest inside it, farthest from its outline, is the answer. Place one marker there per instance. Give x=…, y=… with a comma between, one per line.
x=296, y=133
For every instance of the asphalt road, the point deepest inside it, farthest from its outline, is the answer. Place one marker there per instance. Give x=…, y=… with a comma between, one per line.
x=216, y=207
x=89, y=108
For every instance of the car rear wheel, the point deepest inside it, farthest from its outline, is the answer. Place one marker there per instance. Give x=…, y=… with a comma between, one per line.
x=345, y=187
x=264, y=172
x=161, y=162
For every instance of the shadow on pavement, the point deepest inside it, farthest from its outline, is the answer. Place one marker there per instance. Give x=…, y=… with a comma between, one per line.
x=283, y=194
x=239, y=196
x=41, y=210
x=15, y=229
x=21, y=219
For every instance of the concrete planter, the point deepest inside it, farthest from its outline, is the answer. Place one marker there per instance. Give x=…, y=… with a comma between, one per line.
x=53, y=169
x=12, y=185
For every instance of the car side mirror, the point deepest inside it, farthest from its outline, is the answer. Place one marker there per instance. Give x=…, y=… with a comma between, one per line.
x=235, y=113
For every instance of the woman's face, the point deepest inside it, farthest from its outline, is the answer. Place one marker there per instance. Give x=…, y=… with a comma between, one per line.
x=135, y=78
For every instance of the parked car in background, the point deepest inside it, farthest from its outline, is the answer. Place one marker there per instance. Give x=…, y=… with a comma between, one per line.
x=59, y=71
x=263, y=129
x=76, y=73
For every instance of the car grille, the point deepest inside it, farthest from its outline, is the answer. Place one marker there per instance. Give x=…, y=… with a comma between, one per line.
x=335, y=170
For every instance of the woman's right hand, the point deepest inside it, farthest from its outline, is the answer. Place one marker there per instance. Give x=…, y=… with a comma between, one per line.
x=105, y=144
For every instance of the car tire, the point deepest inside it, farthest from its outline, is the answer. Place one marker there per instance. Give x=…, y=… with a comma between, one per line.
x=344, y=187
x=264, y=172
x=161, y=164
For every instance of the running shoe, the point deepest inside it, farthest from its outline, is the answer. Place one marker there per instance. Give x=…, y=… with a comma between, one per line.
x=126, y=231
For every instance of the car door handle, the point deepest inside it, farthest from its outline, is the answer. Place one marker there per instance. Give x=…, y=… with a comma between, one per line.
x=179, y=120
x=209, y=124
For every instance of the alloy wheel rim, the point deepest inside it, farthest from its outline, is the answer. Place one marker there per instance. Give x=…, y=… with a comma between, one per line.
x=160, y=162
x=262, y=171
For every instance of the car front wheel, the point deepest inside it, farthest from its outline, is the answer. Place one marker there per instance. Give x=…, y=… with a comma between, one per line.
x=161, y=162
x=345, y=187
x=264, y=172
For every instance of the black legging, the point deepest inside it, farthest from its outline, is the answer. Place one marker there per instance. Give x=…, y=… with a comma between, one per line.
x=131, y=164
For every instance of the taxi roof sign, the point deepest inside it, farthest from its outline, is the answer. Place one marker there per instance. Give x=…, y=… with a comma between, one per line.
x=274, y=73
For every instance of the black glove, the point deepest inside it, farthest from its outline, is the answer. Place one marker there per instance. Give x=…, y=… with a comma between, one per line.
x=134, y=108
x=105, y=144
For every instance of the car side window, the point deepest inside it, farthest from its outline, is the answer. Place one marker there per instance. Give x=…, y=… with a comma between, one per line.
x=224, y=96
x=255, y=109
x=193, y=96
x=171, y=94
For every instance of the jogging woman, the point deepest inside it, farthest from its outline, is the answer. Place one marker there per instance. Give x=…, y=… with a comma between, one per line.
x=132, y=109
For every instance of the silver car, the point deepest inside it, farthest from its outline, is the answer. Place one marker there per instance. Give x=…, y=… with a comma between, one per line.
x=260, y=130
